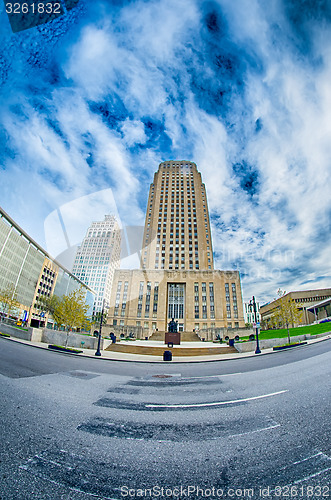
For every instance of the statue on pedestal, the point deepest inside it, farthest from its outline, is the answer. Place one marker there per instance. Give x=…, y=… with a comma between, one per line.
x=172, y=326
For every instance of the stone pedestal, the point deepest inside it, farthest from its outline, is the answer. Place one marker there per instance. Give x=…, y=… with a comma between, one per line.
x=173, y=337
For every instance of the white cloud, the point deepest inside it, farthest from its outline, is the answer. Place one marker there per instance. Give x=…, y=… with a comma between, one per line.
x=139, y=62
x=133, y=131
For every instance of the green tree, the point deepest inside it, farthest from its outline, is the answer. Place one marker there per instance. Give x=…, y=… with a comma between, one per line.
x=71, y=311
x=8, y=299
x=287, y=313
x=68, y=310
x=49, y=304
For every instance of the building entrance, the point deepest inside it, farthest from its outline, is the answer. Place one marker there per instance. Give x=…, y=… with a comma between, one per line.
x=176, y=304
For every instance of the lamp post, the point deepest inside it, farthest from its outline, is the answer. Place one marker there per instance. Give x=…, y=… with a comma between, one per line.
x=252, y=306
x=98, y=352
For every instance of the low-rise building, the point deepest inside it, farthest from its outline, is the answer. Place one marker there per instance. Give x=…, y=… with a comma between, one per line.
x=306, y=300
x=321, y=310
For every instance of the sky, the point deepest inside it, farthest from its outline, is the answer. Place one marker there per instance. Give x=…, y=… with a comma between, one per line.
x=93, y=101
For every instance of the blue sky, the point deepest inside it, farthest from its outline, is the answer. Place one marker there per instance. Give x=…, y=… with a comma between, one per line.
x=92, y=102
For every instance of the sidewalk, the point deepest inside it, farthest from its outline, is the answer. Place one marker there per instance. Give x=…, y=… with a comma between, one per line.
x=121, y=356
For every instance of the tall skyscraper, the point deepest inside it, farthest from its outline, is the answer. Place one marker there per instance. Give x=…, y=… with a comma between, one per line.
x=177, y=277
x=177, y=229
x=98, y=257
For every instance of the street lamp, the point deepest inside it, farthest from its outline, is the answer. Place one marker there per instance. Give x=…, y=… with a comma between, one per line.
x=252, y=306
x=98, y=352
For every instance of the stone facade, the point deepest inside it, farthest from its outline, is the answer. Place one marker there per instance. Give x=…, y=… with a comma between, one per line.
x=140, y=298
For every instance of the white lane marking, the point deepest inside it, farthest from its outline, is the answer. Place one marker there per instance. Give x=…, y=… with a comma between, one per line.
x=311, y=476
x=320, y=453
x=58, y=483
x=257, y=430
x=306, y=478
x=53, y=481
x=47, y=460
x=214, y=376
x=219, y=403
x=308, y=458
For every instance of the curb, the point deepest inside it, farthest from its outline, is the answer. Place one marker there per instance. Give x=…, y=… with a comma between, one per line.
x=63, y=349
x=236, y=356
x=290, y=346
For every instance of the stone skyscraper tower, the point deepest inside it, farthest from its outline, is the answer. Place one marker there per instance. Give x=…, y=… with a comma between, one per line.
x=177, y=229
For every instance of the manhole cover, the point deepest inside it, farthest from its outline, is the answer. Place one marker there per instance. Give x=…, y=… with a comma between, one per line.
x=79, y=374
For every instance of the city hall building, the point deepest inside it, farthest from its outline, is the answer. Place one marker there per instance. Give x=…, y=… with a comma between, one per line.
x=176, y=278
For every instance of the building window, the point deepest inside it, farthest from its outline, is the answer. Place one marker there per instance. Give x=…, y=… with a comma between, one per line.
x=204, y=312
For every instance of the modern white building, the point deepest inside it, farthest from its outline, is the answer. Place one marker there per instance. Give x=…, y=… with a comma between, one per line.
x=98, y=257
x=249, y=314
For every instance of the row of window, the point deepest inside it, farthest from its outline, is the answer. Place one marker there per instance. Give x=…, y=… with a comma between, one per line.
x=48, y=272
x=312, y=299
x=176, y=300
x=153, y=325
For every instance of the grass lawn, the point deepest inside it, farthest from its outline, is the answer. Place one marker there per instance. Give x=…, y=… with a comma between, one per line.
x=302, y=330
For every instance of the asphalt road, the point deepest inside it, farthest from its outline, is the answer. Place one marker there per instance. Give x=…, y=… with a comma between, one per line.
x=79, y=428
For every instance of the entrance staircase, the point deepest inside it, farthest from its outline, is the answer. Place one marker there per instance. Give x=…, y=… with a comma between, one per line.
x=190, y=345
x=154, y=350
x=184, y=336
